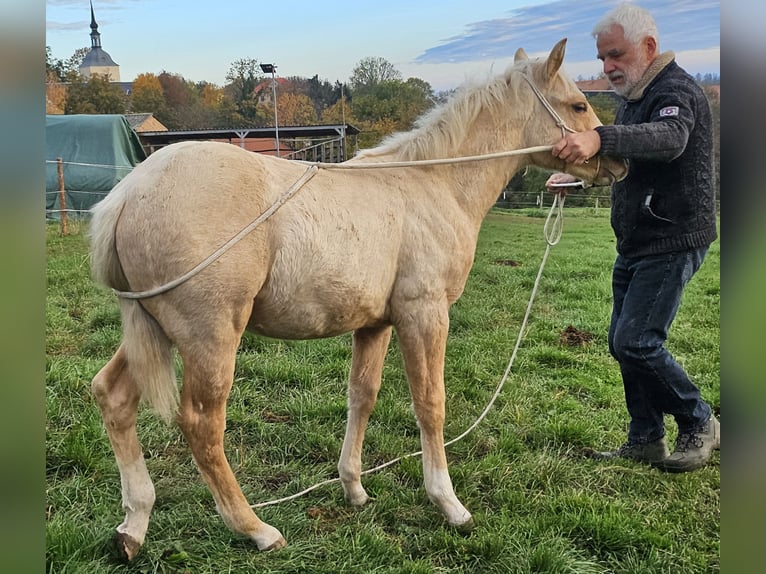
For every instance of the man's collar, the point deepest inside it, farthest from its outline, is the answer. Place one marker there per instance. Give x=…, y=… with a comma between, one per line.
x=659, y=64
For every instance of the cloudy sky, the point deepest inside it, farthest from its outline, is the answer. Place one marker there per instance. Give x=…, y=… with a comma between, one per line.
x=443, y=42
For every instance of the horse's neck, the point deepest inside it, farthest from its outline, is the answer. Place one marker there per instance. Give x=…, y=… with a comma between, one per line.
x=481, y=182
x=478, y=184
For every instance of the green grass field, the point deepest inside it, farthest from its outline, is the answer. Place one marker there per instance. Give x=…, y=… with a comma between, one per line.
x=540, y=506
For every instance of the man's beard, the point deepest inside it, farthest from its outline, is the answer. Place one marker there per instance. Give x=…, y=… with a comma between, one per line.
x=631, y=76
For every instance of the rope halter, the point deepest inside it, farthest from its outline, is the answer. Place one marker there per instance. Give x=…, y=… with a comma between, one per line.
x=559, y=121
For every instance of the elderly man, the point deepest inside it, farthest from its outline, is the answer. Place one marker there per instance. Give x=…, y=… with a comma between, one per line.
x=664, y=219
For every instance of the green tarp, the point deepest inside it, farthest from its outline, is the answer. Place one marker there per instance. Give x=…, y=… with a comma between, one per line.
x=97, y=151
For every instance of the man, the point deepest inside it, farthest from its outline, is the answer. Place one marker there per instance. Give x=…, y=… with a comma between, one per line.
x=664, y=219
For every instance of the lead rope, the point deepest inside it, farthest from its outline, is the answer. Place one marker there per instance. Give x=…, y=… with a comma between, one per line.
x=310, y=172
x=552, y=232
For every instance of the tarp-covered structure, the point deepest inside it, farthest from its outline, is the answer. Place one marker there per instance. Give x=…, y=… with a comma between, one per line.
x=97, y=151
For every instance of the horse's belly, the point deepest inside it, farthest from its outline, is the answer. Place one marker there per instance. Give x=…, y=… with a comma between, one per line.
x=314, y=318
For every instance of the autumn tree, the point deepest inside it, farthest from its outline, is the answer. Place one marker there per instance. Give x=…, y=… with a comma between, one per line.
x=147, y=96
x=295, y=110
x=96, y=95
x=322, y=93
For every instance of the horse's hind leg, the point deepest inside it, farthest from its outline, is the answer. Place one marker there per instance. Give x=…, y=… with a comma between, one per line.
x=369, y=352
x=117, y=396
x=208, y=376
x=423, y=339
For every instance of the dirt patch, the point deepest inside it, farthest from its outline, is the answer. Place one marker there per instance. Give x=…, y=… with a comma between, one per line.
x=272, y=417
x=507, y=262
x=573, y=337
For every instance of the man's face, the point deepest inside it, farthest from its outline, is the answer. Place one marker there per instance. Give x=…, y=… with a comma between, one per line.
x=624, y=63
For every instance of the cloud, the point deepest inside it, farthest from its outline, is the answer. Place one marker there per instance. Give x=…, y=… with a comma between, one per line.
x=683, y=25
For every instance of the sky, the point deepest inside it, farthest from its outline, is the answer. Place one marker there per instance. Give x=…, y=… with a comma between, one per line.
x=444, y=42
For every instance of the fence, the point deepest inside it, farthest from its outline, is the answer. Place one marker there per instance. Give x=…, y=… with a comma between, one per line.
x=510, y=199
x=76, y=202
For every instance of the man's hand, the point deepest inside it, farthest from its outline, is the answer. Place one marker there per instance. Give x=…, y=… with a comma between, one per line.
x=577, y=148
x=558, y=179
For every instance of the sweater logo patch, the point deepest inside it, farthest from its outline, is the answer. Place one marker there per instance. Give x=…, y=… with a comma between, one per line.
x=669, y=111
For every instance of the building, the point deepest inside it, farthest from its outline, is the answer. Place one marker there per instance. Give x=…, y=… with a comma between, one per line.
x=97, y=60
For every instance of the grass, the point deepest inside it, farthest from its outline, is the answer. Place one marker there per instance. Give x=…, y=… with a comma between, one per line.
x=538, y=504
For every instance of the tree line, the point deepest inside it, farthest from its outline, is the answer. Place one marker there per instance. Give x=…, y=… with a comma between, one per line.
x=376, y=99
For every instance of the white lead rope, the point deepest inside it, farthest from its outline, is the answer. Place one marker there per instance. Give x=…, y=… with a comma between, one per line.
x=311, y=171
x=552, y=232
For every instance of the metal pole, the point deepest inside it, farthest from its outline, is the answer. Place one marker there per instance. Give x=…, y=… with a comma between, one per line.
x=274, y=95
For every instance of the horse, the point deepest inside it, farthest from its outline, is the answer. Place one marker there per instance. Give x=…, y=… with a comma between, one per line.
x=362, y=251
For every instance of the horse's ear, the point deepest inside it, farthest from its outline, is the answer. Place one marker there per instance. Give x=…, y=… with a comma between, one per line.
x=555, y=59
x=520, y=55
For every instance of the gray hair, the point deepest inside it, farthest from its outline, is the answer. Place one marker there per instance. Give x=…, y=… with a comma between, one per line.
x=636, y=23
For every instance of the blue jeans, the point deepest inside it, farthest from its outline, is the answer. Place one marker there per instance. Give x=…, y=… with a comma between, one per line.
x=647, y=293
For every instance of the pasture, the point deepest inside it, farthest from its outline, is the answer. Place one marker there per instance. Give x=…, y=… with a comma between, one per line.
x=538, y=504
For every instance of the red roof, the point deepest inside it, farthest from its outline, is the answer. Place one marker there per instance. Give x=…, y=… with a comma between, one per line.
x=259, y=145
x=599, y=84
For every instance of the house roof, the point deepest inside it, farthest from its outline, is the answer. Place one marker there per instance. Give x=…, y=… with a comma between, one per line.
x=145, y=123
x=281, y=82
x=597, y=85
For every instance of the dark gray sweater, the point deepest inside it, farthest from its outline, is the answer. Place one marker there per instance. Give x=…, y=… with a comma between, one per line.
x=664, y=128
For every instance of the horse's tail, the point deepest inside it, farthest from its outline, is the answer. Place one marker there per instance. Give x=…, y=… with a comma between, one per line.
x=148, y=351
x=149, y=355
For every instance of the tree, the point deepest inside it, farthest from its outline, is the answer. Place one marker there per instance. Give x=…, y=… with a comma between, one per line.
x=322, y=93
x=370, y=72
x=295, y=110
x=243, y=76
x=605, y=107
x=54, y=68
x=388, y=106
x=148, y=97
x=97, y=95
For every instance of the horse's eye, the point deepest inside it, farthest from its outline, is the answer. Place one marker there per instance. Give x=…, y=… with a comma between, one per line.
x=580, y=107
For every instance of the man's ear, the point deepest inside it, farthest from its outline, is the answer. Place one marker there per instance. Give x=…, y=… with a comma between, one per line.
x=651, y=46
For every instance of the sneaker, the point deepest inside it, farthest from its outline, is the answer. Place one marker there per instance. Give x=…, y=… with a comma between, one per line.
x=648, y=452
x=694, y=449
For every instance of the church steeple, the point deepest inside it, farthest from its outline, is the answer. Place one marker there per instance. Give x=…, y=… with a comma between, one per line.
x=95, y=37
x=97, y=60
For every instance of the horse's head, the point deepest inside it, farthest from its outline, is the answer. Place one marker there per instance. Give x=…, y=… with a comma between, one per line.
x=562, y=107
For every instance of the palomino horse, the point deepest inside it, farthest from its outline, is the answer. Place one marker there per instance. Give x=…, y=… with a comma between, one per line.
x=353, y=250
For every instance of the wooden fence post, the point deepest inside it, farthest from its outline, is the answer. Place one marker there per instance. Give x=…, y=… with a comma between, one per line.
x=62, y=195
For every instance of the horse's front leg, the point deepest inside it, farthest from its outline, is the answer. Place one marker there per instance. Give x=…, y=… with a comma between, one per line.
x=423, y=340
x=368, y=354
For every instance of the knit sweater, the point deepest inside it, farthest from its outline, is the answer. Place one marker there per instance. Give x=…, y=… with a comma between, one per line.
x=664, y=128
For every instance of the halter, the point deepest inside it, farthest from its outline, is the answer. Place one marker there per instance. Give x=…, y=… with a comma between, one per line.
x=543, y=100
x=558, y=119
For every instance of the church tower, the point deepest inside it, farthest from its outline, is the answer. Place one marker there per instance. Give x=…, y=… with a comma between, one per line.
x=97, y=61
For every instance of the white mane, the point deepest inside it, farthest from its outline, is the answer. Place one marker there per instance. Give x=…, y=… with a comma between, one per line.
x=439, y=132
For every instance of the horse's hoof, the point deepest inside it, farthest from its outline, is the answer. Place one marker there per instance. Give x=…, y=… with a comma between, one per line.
x=467, y=526
x=276, y=545
x=359, y=499
x=126, y=546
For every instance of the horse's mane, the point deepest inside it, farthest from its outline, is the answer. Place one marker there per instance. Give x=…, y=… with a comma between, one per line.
x=439, y=132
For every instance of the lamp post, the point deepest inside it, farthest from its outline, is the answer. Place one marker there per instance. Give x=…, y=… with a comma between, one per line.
x=272, y=69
